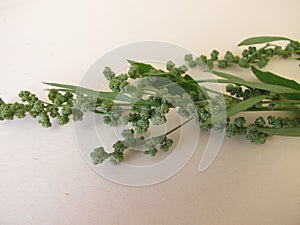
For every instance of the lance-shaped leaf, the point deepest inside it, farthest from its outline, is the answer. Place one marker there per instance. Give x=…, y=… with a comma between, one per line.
x=97, y=94
x=141, y=67
x=236, y=108
x=271, y=78
x=289, y=131
x=268, y=87
x=262, y=39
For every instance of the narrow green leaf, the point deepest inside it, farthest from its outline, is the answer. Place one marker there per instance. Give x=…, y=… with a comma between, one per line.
x=97, y=111
x=271, y=78
x=142, y=67
x=272, y=88
x=238, y=107
x=292, y=131
x=291, y=96
x=262, y=86
x=97, y=94
x=190, y=84
x=67, y=86
x=262, y=39
x=298, y=58
x=224, y=81
x=229, y=77
x=158, y=73
x=244, y=105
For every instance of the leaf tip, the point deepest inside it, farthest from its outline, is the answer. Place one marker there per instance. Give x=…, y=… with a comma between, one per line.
x=131, y=62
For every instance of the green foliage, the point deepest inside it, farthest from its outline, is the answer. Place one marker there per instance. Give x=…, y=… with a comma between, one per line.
x=99, y=155
x=271, y=78
x=290, y=131
x=149, y=101
x=250, y=56
x=262, y=39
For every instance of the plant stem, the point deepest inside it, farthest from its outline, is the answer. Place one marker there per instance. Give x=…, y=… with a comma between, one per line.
x=174, y=129
x=270, y=110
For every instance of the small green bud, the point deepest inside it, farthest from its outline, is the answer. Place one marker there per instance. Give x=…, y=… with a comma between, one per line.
x=133, y=72
x=77, y=114
x=228, y=56
x=59, y=100
x=263, y=61
x=62, y=119
x=107, y=106
x=245, y=53
x=240, y=121
x=166, y=144
x=210, y=63
x=188, y=57
x=243, y=63
x=25, y=96
x=152, y=152
x=214, y=55
x=116, y=157
x=52, y=95
x=44, y=120
x=202, y=59
x=183, y=69
x=108, y=73
x=260, y=122
x=99, y=155
x=252, y=49
x=66, y=110
x=170, y=65
x=222, y=63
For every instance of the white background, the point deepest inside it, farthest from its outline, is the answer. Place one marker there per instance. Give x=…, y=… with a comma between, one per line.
x=43, y=178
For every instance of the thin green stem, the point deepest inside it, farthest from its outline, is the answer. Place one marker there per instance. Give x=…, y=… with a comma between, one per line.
x=165, y=134
x=174, y=129
x=262, y=109
x=258, y=52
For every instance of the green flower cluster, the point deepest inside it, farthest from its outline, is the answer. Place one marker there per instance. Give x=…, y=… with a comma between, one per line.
x=114, y=114
x=116, y=83
x=99, y=155
x=149, y=146
x=145, y=95
x=141, y=115
x=249, y=56
x=281, y=122
x=61, y=106
x=154, y=144
x=238, y=92
x=252, y=132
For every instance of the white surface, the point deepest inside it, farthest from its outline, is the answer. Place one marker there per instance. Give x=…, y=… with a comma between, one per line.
x=45, y=181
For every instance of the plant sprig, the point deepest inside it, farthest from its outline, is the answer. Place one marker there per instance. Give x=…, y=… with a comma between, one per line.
x=157, y=92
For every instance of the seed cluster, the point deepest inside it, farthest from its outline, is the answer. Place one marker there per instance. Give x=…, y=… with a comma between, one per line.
x=249, y=56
